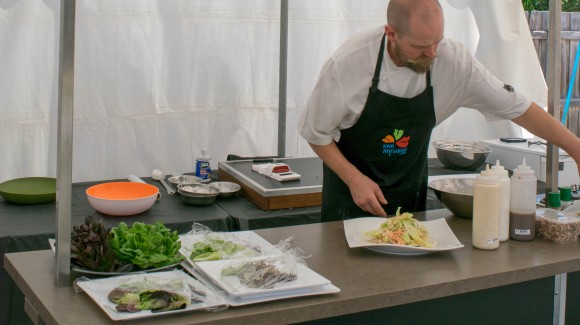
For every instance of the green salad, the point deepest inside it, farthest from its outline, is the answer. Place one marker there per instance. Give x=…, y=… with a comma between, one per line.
x=146, y=245
x=402, y=230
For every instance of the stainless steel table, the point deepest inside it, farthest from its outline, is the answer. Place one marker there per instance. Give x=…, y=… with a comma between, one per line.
x=516, y=282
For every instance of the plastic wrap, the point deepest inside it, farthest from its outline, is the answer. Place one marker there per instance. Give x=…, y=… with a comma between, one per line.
x=140, y=295
x=285, y=273
x=202, y=244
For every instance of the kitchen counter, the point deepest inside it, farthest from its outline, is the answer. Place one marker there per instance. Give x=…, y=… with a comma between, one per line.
x=518, y=277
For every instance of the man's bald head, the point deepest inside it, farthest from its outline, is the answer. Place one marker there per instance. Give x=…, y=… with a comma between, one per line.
x=400, y=13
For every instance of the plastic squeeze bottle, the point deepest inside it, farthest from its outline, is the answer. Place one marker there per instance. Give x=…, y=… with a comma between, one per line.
x=523, y=203
x=486, y=206
x=203, y=165
x=504, y=204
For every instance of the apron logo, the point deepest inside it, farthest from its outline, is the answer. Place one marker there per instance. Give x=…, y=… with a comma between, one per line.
x=395, y=144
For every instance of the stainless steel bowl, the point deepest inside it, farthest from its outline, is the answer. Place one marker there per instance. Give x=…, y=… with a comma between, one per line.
x=462, y=155
x=197, y=194
x=183, y=179
x=227, y=189
x=456, y=194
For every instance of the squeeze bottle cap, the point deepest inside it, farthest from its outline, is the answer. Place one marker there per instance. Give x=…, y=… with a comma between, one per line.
x=487, y=177
x=524, y=171
x=554, y=200
x=499, y=170
x=566, y=193
x=204, y=155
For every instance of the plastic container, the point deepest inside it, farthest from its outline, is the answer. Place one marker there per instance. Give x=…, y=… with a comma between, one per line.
x=486, y=206
x=557, y=226
x=203, y=166
x=523, y=203
x=504, y=206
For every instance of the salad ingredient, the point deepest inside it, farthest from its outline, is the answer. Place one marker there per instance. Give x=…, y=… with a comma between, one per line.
x=134, y=298
x=90, y=248
x=146, y=245
x=402, y=229
x=212, y=249
x=258, y=274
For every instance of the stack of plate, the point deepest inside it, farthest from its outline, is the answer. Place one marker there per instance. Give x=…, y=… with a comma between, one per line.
x=306, y=283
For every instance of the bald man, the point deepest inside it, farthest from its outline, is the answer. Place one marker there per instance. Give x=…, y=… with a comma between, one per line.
x=380, y=95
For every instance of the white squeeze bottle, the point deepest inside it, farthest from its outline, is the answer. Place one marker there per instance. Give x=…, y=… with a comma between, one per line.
x=486, y=204
x=504, y=204
x=523, y=203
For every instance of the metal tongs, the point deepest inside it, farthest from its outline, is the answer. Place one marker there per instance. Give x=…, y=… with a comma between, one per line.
x=539, y=143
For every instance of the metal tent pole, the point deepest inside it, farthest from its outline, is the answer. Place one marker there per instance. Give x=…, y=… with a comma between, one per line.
x=554, y=70
x=282, y=88
x=64, y=143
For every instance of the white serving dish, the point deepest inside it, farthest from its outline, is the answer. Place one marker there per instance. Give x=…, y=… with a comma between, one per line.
x=438, y=229
x=99, y=289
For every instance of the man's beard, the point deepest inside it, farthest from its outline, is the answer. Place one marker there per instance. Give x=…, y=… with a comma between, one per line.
x=420, y=65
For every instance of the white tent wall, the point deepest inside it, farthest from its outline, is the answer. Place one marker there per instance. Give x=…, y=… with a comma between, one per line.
x=158, y=80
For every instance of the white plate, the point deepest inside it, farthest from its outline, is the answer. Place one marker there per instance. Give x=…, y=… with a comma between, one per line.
x=305, y=278
x=237, y=301
x=246, y=238
x=355, y=230
x=99, y=290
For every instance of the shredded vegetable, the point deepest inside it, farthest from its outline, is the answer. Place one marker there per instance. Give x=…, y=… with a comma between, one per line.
x=402, y=230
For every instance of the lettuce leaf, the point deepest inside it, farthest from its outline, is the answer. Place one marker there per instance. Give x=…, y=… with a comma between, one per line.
x=146, y=245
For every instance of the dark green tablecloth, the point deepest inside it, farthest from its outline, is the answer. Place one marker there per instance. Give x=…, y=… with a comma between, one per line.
x=28, y=227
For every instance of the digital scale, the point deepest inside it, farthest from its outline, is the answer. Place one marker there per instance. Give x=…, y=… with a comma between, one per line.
x=278, y=171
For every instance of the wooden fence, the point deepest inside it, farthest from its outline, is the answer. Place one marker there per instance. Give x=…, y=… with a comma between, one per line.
x=570, y=37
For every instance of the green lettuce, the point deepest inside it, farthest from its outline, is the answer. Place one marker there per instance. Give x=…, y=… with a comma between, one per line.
x=146, y=245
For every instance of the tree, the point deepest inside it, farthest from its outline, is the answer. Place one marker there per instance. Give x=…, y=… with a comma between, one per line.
x=544, y=5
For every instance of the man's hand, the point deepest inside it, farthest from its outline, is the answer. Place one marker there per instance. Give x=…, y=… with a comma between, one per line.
x=367, y=195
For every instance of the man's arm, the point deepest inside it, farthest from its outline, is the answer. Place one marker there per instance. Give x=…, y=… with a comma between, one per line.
x=366, y=194
x=545, y=126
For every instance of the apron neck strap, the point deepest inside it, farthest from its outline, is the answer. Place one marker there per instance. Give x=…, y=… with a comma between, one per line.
x=375, y=83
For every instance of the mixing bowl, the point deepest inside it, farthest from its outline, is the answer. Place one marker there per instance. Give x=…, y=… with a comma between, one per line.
x=456, y=194
x=122, y=198
x=462, y=155
x=227, y=189
x=197, y=194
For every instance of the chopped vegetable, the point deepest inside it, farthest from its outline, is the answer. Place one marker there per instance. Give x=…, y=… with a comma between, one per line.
x=134, y=297
x=212, y=249
x=402, y=230
x=146, y=245
x=258, y=274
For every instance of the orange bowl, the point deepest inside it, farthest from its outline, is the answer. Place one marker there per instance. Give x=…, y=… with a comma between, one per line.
x=122, y=198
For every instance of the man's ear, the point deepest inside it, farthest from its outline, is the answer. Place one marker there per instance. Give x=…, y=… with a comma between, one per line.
x=390, y=32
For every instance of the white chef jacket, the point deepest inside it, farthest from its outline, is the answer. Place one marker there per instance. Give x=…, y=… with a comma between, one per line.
x=458, y=79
